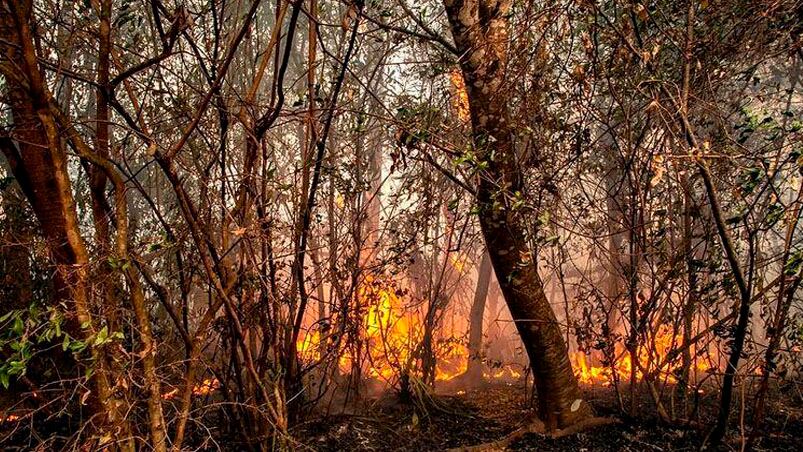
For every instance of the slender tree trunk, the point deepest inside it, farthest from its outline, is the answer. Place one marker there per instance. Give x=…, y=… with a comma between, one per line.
x=495, y=353
x=690, y=306
x=726, y=241
x=475, y=358
x=787, y=287
x=479, y=28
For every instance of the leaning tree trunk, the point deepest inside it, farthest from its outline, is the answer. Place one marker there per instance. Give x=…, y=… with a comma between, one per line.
x=479, y=28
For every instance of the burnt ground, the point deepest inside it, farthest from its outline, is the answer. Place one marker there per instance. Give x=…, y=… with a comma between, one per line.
x=459, y=419
x=490, y=413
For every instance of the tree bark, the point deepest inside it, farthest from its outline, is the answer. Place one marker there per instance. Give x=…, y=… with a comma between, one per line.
x=474, y=370
x=690, y=305
x=480, y=31
x=39, y=163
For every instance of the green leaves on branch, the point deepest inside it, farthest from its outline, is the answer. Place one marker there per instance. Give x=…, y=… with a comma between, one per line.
x=103, y=337
x=794, y=263
x=118, y=264
x=750, y=178
x=26, y=332
x=472, y=160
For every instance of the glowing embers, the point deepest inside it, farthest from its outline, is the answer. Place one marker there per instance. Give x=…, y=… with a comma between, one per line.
x=507, y=372
x=389, y=339
x=206, y=387
x=10, y=418
x=659, y=357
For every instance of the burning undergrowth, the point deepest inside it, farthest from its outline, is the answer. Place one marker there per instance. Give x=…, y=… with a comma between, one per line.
x=393, y=337
x=657, y=356
x=390, y=336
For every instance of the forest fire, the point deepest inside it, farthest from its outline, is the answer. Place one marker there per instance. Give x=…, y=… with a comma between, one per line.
x=392, y=333
x=652, y=359
x=298, y=225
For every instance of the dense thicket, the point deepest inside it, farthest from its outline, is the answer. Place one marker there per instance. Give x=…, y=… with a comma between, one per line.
x=239, y=214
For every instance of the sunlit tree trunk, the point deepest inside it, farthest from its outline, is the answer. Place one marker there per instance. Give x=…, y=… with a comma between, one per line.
x=38, y=162
x=494, y=334
x=480, y=31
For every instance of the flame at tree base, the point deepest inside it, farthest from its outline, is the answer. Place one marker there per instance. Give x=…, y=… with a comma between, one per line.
x=390, y=333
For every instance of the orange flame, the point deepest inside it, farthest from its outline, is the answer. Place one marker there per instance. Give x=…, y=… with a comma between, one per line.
x=10, y=418
x=651, y=358
x=207, y=386
x=391, y=332
x=308, y=346
x=505, y=373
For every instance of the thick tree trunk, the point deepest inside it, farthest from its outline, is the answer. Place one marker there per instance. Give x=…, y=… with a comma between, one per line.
x=479, y=28
x=559, y=398
x=39, y=163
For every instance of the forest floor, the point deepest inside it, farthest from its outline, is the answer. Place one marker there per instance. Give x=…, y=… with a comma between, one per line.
x=487, y=414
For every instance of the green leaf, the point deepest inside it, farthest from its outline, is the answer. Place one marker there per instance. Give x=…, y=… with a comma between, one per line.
x=792, y=265
x=774, y=214
x=16, y=367
x=7, y=316
x=102, y=337
x=19, y=326
x=750, y=179
x=77, y=346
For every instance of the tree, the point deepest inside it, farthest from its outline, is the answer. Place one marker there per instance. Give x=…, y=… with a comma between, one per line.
x=480, y=31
